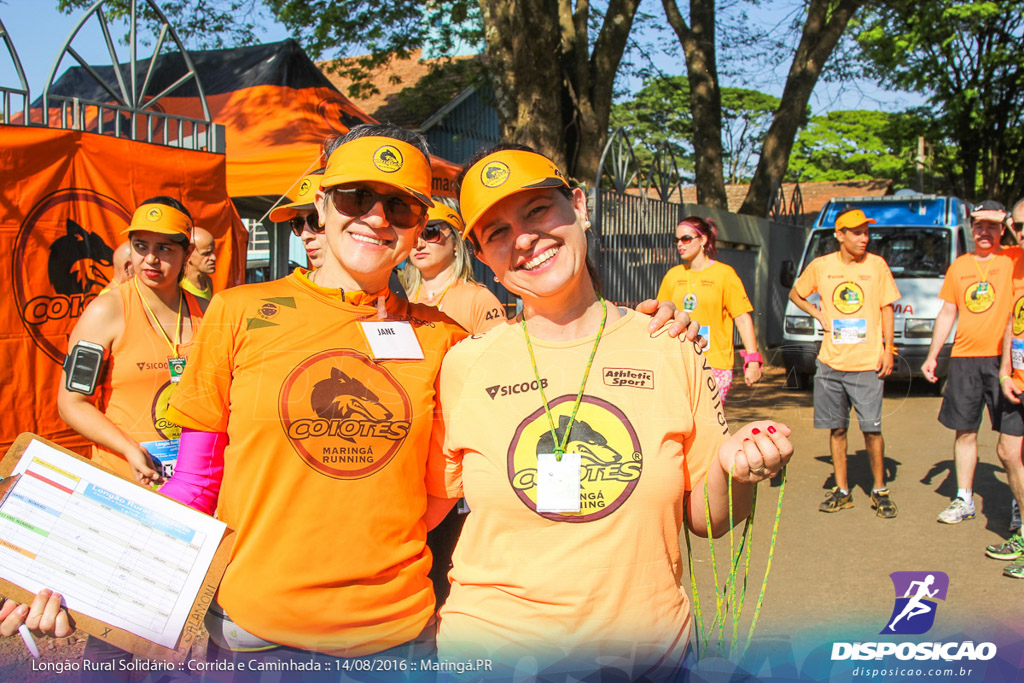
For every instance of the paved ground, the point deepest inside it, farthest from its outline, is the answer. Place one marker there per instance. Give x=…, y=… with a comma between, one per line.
x=829, y=577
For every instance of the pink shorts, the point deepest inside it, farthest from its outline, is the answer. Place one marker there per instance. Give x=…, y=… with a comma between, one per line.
x=724, y=380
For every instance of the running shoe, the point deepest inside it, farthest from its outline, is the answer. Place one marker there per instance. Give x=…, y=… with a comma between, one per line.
x=1010, y=549
x=882, y=504
x=1014, y=515
x=836, y=501
x=1015, y=570
x=958, y=511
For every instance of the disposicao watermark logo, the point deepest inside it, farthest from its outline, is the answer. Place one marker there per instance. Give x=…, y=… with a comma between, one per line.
x=913, y=613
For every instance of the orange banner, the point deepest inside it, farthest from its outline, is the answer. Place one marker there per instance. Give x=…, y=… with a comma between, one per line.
x=65, y=197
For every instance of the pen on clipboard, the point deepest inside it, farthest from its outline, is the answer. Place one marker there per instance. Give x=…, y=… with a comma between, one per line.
x=30, y=642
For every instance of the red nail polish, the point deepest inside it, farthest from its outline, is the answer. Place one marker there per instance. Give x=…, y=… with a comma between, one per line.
x=772, y=430
x=745, y=440
x=755, y=431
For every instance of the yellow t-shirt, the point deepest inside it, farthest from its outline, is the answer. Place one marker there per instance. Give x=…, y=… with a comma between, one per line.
x=852, y=297
x=324, y=472
x=982, y=310
x=713, y=297
x=606, y=580
x=187, y=285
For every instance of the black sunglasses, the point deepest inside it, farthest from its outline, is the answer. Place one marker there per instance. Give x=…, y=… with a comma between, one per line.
x=686, y=239
x=402, y=211
x=434, y=232
x=311, y=221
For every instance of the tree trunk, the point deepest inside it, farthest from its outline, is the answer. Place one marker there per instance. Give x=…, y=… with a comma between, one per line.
x=821, y=34
x=698, y=43
x=522, y=48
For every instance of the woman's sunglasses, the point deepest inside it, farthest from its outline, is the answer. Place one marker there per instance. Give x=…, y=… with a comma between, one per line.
x=686, y=239
x=402, y=211
x=434, y=232
x=310, y=222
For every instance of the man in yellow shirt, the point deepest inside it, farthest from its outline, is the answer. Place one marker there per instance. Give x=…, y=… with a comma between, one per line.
x=201, y=265
x=857, y=292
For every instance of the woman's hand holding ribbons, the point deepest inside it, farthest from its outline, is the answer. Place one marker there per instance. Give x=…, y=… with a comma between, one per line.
x=757, y=451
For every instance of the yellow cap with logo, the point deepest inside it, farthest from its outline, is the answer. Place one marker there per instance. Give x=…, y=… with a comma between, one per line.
x=381, y=160
x=854, y=218
x=440, y=212
x=303, y=202
x=160, y=218
x=501, y=174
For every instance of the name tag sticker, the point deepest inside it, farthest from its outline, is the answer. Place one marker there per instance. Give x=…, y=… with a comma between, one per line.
x=1017, y=353
x=849, y=331
x=176, y=368
x=558, y=483
x=392, y=339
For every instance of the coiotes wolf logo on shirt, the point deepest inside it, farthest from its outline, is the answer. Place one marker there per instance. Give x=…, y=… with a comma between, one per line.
x=610, y=457
x=344, y=415
x=916, y=596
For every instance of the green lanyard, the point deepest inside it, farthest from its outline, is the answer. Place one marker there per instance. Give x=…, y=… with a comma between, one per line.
x=560, y=448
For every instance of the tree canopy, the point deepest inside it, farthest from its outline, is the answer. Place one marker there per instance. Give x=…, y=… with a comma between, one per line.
x=965, y=57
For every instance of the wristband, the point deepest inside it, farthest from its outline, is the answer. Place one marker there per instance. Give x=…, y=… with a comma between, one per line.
x=1004, y=378
x=749, y=358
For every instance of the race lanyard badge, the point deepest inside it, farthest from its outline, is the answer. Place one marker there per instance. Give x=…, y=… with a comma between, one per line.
x=1017, y=353
x=390, y=338
x=176, y=367
x=558, y=482
x=982, y=288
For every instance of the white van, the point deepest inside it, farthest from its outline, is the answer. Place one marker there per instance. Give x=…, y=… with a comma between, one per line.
x=919, y=236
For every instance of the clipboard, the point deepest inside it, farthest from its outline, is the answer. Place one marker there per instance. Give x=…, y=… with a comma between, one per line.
x=121, y=637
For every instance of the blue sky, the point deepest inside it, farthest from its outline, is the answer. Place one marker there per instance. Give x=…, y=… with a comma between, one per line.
x=38, y=30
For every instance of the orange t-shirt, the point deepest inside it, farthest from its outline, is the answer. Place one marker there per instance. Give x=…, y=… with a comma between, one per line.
x=137, y=384
x=471, y=305
x=982, y=312
x=852, y=296
x=713, y=297
x=606, y=580
x=324, y=471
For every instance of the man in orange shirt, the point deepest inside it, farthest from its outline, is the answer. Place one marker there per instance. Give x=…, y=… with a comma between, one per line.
x=977, y=292
x=857, y=292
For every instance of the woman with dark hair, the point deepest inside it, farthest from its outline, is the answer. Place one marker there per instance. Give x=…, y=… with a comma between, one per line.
x=580, y=472
x=712, y=293
x=144, y=327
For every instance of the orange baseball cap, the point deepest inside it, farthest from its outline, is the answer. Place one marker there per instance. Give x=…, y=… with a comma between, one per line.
x=382, y=160
x=440, y=212
x=501, y=174
x=303, y=203
x=160, y=218
x=853, y=218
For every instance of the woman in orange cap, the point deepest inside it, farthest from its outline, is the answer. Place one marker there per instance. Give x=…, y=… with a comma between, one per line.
x=581, y=445
x=145, y=327
x=439, y=273
x=302, y=217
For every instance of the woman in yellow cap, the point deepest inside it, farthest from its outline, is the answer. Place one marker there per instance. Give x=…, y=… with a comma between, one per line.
x=439, y=273
x=581, y=445
x=302, y=218
x=125, y=357
x=144, y=328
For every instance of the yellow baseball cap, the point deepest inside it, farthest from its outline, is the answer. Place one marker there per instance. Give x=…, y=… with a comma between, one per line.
x=303, y=203
x=160, y=218
x=382, y=160
x=440, y=212
x=501, y=174
x=853, y=218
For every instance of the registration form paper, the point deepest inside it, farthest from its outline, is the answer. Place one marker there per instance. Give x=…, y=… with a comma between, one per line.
x=115, y=551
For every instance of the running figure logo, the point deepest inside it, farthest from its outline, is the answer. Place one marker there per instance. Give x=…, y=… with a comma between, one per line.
x=916, y=594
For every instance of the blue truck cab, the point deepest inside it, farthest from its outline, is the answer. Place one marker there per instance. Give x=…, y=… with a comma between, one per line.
x=919, y=236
